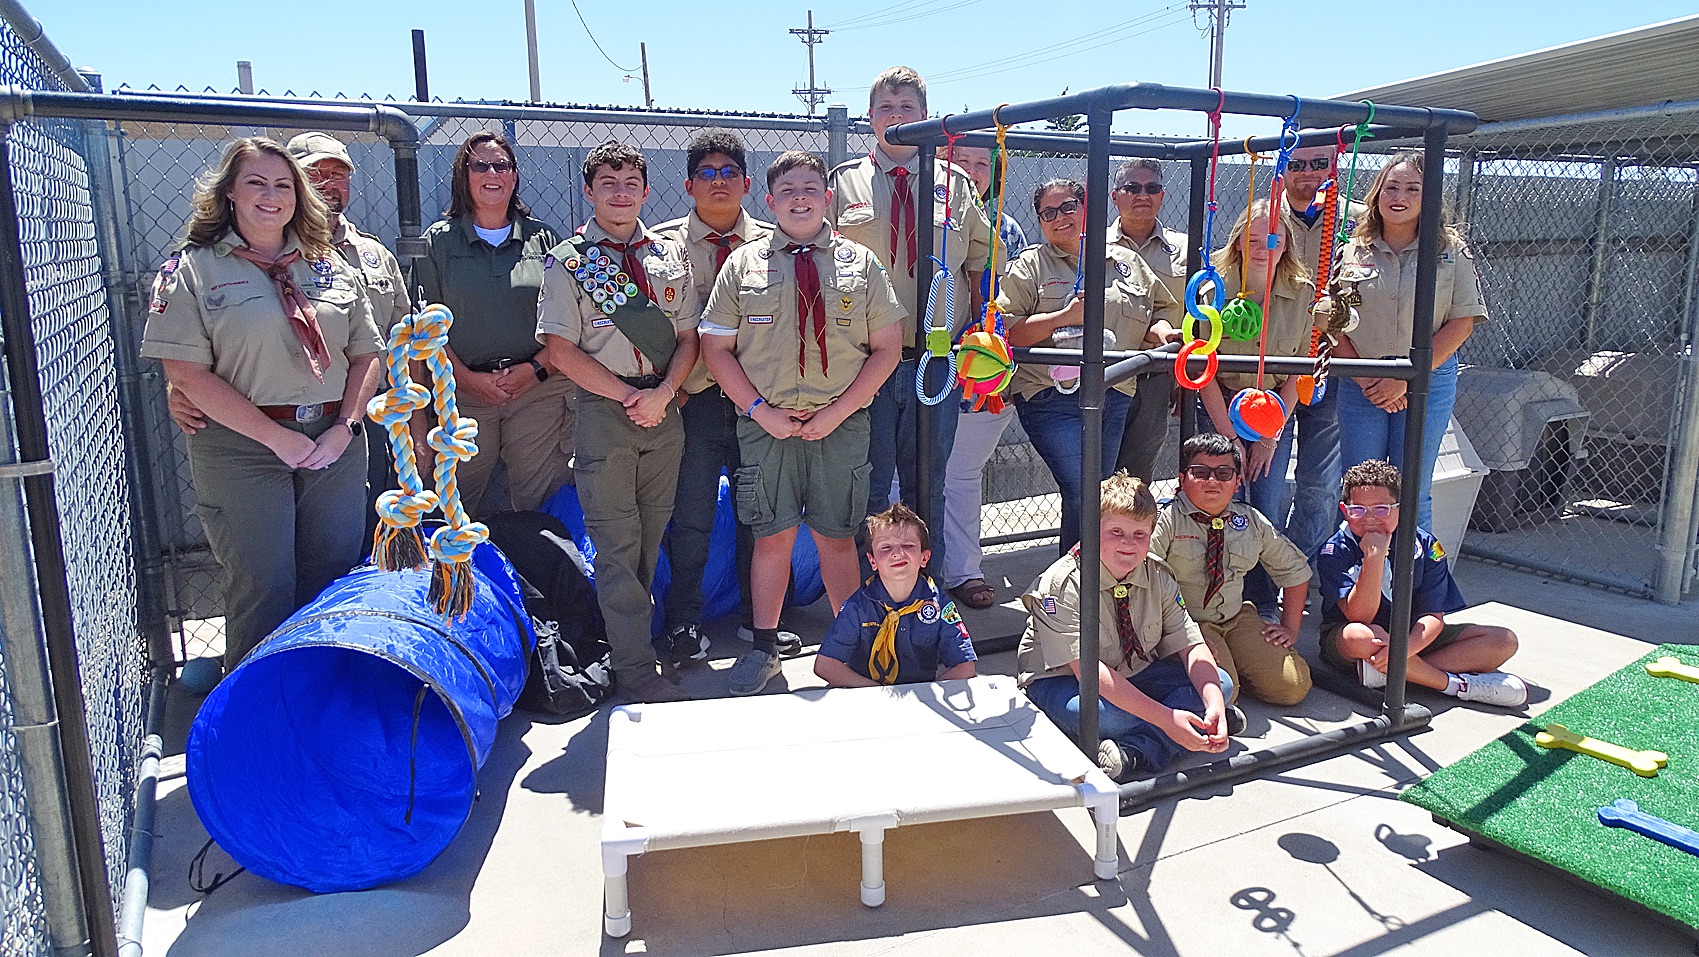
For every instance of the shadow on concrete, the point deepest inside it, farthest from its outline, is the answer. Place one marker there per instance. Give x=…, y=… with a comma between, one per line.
x=401, y=920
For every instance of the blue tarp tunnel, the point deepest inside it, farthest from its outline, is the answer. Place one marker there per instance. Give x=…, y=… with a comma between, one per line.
x=343, y=752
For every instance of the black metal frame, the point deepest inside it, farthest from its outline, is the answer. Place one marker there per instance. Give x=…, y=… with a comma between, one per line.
x=1100, y=106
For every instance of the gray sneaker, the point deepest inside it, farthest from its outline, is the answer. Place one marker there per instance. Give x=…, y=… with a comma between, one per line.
x=1119, y=762
x=753, y=670
x=789, y=642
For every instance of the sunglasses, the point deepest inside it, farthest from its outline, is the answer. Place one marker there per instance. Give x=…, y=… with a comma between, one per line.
x=1318, y=164
x=1361, y=511
x=499, y=166
x=708, y=174
x=1133, y=189
x=1049, y=213
x=1221, y=473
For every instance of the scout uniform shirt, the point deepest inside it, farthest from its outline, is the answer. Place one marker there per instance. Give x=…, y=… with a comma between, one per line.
x=1052, y=639
x=1340, y=564
x=566, y=309
x=1042, y=280
x=755, y=299
x=1248, y=540
x=385, y=288
x=1387, y=281
x=492, y=290
x=1164, y=252
x=1306, y=238
x=929, y=635
x=861, y=210
x=1288, y=321
x=704, y=256
x=219, y=310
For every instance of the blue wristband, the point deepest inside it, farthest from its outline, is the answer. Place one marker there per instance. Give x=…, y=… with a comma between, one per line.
x=749, y=413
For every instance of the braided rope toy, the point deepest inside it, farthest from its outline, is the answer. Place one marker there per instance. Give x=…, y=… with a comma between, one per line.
x=396, y=544
x=424, y=335
x=1313, y=387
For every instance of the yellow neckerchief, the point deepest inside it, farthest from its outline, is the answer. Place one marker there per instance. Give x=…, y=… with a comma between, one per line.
x=882, y=663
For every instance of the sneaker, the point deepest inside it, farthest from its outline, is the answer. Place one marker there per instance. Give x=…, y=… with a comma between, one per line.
x=789, y=643
x=689, y=644
x=1235, y=721
x=1370, y=677
x=1118, y=761
x=752, y=672
x=655, y=689
x=1495, y=688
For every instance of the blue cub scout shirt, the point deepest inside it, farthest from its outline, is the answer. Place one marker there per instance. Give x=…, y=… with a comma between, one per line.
x=1341, y=562
x=925, y=638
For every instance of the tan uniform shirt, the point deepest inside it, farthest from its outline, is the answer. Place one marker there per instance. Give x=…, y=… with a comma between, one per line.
x=1306, y=240
x=564, y=309
x=219, y=310
x=1288, y=321
x=1052, y=639
x=861, y=210
x=693, y=233
x=1387, y=320
x=1042, y=280
x=1164, y=252
x=385, y=288
x=755, y=299
x=1250, y=539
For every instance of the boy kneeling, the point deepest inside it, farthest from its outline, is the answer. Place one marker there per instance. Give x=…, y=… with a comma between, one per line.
x=898, y=628
x=1355, y=566
x=1161, y=693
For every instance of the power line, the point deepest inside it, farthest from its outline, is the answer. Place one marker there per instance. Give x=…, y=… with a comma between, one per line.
x=597, y=44
x=917, y=14
x=898, y=9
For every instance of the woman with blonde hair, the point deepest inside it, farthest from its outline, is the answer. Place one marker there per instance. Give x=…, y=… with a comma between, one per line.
x=262, y=327
x=1380, y=260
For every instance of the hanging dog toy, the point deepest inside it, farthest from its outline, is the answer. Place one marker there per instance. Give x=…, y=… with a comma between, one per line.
x=1210, y=313
x=984, y=367
x=1259, y=413
x=424, y=335
x=1339, y=314
x=938, y=334
x=1243, y=317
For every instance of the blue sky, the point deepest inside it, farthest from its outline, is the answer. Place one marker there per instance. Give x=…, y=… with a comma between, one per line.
x=976, y=53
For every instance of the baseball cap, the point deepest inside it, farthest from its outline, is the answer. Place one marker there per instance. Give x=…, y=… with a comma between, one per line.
x=309, y=148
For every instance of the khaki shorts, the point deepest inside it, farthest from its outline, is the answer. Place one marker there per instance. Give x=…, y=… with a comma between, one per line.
x=789, y=482
x=1330, y=653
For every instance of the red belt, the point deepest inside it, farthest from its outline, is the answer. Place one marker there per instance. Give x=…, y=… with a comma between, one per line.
x=301, y=413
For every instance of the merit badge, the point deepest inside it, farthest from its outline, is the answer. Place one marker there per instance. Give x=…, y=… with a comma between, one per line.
x=847, y=303
x=630, y=289
x=669, y=295
x=929, y=612
x=1240, y=523
x=1124, y=269
x=940, y=192
x=608, y=308
x=767, y=253
x=1121, y=591
x=621, y=278
x=1436, y=551
x=574, y=263
x=1049, y=605
x=370, y=258
x=599, y=294
x=593, y=253
x=845, y=254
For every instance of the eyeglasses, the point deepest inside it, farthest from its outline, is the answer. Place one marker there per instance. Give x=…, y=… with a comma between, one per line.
x=1221, y=473
x=1361, y=511
x=1133, y=189
x=1049, y=213
x=1318, y=164
x=708, y=174
x=499, y=166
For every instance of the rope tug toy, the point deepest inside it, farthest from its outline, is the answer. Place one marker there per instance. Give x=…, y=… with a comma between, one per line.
x=938, y=335
x=984, y=367
x=1340, y=316
x=1243, y=317
x=1259, y=413
x=1194, y=311
x=424, y=335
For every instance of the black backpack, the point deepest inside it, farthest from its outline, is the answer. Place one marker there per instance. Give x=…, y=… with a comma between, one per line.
x=571, y=671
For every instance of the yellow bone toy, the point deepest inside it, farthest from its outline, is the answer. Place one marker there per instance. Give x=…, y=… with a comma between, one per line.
x=1670, y=667
x=1643, y=763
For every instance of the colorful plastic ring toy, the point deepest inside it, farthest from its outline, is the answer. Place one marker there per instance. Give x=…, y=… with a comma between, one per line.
x=1212, y=361
x=1209, y=315
x=1218, y=300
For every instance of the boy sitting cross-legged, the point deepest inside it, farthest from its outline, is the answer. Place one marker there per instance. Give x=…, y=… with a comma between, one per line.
x=1355, y=565
x=898, y=627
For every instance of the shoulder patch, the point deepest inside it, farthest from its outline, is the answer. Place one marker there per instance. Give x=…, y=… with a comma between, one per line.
x=1436, y=551
x=1180, y=599
x=1048, y=604
x=1327, y=549
x=370, y=258
x=951, y=615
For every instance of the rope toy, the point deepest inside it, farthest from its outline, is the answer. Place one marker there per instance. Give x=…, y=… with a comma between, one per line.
x=984, y=366
x=1218, y=301
x=1340, y=319
x=424, y=335
x=1259, y=413
x=1243, y=317
x=938, y=335
x=396, y=544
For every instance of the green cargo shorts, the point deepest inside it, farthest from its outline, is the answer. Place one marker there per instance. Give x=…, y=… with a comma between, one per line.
x=794, y=481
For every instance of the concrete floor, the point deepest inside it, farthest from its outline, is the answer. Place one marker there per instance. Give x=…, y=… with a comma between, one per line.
x=1320, y=860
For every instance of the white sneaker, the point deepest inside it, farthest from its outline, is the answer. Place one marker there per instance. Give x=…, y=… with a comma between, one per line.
x=1367, y=674
x=1495, y=688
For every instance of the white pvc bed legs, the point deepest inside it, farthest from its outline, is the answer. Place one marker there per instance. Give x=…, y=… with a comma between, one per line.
x=616, y=901
x=872, y=830
x=1105, y=805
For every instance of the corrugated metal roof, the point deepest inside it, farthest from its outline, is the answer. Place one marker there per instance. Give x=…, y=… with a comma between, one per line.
x=1646, y=65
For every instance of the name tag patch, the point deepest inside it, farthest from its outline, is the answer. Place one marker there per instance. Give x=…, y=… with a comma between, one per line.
x=601, y=323
x=759, y=320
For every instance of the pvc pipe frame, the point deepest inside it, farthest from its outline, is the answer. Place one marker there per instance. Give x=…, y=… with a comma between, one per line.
x=1100, y=106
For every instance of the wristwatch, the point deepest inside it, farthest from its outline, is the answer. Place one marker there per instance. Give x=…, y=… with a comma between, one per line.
x=541, y=371
x=356, y=426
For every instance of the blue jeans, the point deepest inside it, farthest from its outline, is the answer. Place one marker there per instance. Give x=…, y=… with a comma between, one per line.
x=1315, y=505
x=1052, y=421
x=892, y=414
x=710, y=447
x=1164, y=680
x=1366, y=432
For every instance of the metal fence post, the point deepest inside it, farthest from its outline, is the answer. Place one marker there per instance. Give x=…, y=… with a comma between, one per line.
x=1598, y=251
x=837, y=134
x=1678, y=525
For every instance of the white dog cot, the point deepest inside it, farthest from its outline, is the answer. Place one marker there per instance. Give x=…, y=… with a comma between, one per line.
x=722, y=771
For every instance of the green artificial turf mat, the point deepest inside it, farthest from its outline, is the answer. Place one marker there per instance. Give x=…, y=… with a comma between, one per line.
x=1544, y=803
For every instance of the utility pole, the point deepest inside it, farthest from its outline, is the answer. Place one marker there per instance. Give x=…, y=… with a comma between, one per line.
x=531, y=50
x=1219, y=11
x=811, y=95
x=648, y=100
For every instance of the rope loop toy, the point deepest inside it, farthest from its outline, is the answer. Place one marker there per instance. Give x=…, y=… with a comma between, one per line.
x=1312, y=388
x=424, y=336
x=938, y=334
x=984, y=366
